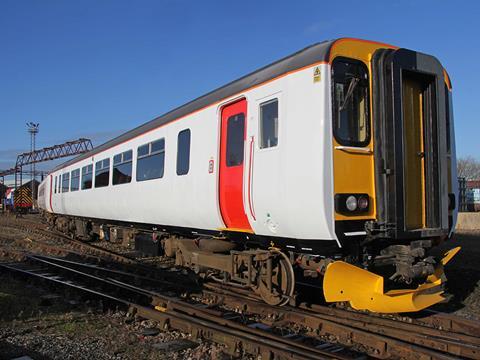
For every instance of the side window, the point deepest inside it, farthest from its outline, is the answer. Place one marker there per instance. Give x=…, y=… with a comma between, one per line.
x=269, y=124
x=65, y=182
x=350, y=103
x=56, y=180
x=75, y=181
x=122, y=168
x=87, y=173
x=102, y=173
x=151, y=160
x=235, y=139
x=183, y=152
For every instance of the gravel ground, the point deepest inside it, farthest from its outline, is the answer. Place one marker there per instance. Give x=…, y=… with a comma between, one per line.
x=43, y=325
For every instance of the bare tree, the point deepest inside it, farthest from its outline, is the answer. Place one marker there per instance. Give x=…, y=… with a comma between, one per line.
x=469, y=168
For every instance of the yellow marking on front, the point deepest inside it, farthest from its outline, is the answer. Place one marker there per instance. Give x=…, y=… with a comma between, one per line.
x=160, y=308
x=354, y=172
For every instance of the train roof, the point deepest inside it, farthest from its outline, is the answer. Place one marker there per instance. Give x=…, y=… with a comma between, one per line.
x=315, y=53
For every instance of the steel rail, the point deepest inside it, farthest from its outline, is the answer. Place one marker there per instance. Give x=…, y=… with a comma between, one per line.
x=188, y=317
x=386, y=341
x=389, y=339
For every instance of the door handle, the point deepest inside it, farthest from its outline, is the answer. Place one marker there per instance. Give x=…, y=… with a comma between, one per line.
x=250, y=180
x=354, y=149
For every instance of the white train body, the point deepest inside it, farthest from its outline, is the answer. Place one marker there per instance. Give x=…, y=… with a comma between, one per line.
x=291, y=193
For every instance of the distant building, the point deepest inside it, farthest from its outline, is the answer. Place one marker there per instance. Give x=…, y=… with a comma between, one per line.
x=473, y=184
x=472, y=195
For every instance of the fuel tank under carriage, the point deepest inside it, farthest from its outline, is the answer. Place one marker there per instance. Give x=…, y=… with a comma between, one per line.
x=333, y=167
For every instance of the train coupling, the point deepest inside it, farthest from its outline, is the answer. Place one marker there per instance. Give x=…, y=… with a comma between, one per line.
x=364, y=290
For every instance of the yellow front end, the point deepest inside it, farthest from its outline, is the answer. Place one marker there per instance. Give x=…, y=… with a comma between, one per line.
x=356, y=172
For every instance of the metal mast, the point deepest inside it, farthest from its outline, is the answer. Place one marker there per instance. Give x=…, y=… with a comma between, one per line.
x=33, y=130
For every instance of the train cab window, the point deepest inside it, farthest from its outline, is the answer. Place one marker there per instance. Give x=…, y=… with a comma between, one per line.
x=102, y=173
x=269, y=124
x=55, y=188
x=75, y=180
x=350, y=102
x=122, y=168
x=151, y=160
x=87, y=173
x=235, y=139
x=65, y=182
x=183, y=152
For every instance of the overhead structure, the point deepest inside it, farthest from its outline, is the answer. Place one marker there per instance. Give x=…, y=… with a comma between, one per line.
x=69, y=148
x=11, y=171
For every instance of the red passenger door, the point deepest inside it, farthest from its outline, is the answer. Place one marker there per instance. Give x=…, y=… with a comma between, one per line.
x=232, y=143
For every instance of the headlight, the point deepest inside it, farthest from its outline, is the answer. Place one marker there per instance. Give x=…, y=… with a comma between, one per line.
x=362, y=203
x=351, y=203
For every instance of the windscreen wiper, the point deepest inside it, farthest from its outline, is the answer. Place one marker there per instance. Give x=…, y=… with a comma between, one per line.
x=353, y=84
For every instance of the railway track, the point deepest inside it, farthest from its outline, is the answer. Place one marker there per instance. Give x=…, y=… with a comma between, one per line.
x=375, y=336
x=432, y=336
x=238, y=333
x=56, y=242
x=386, y=338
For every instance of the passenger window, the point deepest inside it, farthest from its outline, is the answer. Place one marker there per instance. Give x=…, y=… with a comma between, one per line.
x=350, y=103
x=235, y=139
x=55, y=188
x=102, y=173
x=183, y=152
x=75, y=181
x=65, y=182
x=151, y=160
x=269, y=124
x=87, y=173
x=122, y=168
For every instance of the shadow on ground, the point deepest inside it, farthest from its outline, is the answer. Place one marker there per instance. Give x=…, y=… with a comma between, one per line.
x=463, y=273
x=9, y=351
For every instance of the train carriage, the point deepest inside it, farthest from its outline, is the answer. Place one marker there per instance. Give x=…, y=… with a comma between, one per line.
x=334, y=166
x=23, y=201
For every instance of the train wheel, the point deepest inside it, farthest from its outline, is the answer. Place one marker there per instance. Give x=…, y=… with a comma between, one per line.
x=277, y=279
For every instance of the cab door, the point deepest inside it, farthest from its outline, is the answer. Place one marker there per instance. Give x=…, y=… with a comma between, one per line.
x=232, y=146
x=414, y=158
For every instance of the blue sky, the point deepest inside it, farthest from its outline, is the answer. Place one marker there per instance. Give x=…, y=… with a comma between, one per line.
x=98, y=68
